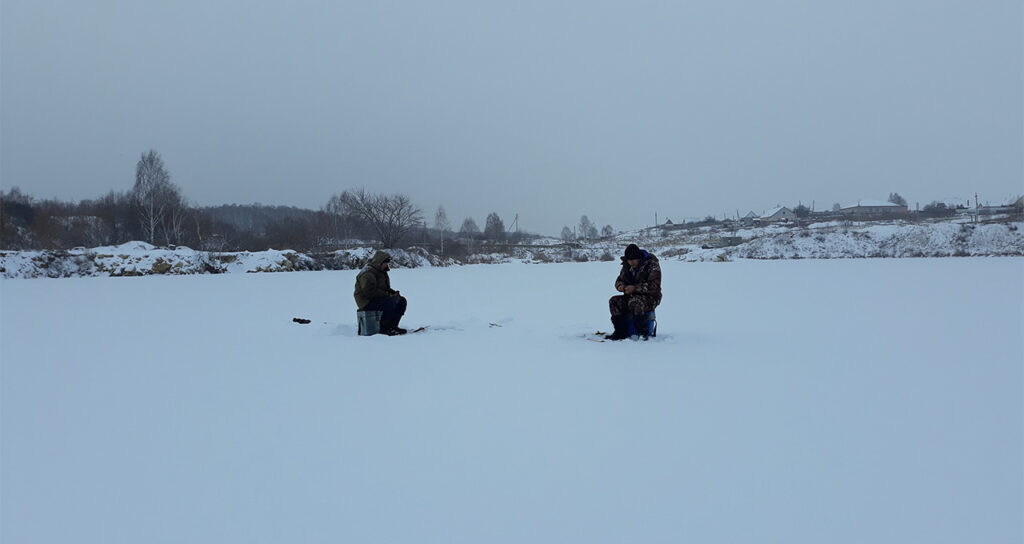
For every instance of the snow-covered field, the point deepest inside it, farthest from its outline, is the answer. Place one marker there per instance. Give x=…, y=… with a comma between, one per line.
x=783, y=401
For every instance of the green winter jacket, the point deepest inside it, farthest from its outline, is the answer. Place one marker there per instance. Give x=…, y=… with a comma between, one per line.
x=372, y=282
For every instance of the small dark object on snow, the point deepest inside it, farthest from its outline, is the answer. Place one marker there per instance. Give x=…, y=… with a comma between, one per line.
x=300, y=320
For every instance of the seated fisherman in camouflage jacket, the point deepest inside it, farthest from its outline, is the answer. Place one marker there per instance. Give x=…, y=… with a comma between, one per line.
x=639, y=282
x=374, y=293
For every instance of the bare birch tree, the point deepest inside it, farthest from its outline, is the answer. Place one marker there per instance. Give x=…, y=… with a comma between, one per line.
x=154, y=195
x=442, y=224
x=178, y=212
x=469, y=228
x=340, y=223
x=588, y=231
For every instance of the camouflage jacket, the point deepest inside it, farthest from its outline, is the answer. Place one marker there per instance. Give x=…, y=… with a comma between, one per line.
x=646, y=277
x=372, y=282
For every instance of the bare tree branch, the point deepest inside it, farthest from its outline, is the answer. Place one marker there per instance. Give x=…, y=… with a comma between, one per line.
x=391, y=216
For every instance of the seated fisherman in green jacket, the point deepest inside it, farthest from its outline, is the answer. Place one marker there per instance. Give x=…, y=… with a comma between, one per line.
x=374, y=293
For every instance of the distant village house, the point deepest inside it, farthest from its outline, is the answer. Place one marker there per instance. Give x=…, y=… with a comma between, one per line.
x=1016, y=206
x=873, y=207
x=776, y=215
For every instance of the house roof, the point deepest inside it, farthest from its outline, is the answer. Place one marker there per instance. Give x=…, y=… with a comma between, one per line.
x=873, y=204
x=775, y=211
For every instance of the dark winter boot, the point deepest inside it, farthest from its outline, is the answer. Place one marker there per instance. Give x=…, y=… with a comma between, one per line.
x=622, y=325
x=396, y=329
x=390, y=328
x=630, y=327
x=640, y=323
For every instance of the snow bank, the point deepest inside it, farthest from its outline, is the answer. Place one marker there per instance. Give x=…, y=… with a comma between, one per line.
x=835, y=240
x=142, y=259
x=130, y=259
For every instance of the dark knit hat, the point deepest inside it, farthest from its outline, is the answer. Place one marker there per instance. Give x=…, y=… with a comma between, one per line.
x=633, y=252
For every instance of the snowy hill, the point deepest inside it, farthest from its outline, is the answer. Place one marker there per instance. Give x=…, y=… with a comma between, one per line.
x=832, y=240
x=837, y=241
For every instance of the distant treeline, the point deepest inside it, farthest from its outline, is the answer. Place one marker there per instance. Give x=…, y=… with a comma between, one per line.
x=26, y=223
x=155, y=211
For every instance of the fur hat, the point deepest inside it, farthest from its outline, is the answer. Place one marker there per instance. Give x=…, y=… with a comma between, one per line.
x=633, y=252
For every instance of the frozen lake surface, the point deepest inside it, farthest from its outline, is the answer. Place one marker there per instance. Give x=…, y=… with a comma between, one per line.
x=783, y=401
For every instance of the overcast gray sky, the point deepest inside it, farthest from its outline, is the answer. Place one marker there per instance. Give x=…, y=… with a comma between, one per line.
x=550, y=110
